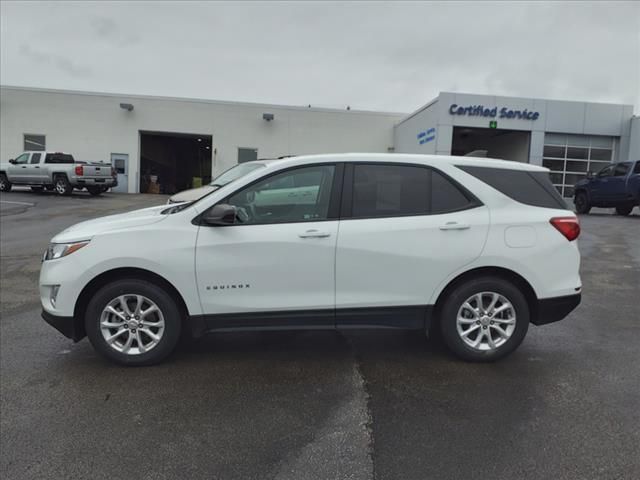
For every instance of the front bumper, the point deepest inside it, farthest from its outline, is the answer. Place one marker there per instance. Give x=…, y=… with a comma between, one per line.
x=65, y=325
x=555, y=309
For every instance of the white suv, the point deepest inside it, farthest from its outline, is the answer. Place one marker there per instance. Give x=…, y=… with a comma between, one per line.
x=479, y=247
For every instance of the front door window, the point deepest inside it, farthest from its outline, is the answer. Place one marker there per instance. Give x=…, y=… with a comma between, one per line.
x=298, y=195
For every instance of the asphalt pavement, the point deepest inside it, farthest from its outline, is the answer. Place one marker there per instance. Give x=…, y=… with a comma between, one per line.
x=320, y=405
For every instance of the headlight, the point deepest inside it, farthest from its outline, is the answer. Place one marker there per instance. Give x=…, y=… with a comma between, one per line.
x=59, y=250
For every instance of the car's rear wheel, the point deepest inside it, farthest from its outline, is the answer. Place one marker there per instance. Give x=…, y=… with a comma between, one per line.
x=484, y=319
x=95, y=191
x=5, y=184
x=581, y=202
x=62, y=185
x=624, y=210
x=133, y=322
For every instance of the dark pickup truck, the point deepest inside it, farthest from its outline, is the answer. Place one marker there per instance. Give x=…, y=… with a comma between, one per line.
x=616, y=185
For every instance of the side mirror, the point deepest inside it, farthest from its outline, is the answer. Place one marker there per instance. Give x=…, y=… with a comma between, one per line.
x=221, y=214
x=590, y=175
x=12, y=161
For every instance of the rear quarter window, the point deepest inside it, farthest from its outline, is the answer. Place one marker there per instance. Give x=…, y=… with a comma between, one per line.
x=530, y=188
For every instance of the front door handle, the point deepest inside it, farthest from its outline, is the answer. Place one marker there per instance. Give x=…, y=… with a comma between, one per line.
x=314, y=234
x=455, y=226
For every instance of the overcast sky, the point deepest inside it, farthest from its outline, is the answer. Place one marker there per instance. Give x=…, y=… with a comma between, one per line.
x=375, y=56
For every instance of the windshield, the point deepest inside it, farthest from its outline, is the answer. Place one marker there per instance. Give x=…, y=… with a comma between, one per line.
x=234, y=173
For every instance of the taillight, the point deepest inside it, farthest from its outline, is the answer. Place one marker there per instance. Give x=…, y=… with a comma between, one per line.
x=79, y=170
x=567, y=226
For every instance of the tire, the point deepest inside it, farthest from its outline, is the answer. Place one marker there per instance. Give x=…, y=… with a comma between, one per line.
x=153, y=350
x=513, y=320
x=37, y=189
x=95, y=191
x=624, y=210
x=581, y=201
x=5, y=184
x=62, y=186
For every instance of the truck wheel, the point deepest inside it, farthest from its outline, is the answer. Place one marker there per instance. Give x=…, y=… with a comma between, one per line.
x=484, y=319
x=5, y=184
x=581, y=202
x=37, y=189
x=95, y=191
x=624, y=210
x=62, y=185
x=133, y=322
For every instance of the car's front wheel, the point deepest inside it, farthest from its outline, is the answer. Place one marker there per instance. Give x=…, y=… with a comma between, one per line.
x=484, y=319
x=133, y=322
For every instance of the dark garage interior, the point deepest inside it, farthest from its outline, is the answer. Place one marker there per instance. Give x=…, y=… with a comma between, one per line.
x=172, y=162
x=499, y=143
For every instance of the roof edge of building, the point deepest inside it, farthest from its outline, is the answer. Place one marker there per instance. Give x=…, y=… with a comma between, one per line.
x=197, y=100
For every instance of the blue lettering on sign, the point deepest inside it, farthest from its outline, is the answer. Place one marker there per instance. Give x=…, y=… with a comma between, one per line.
x=426, y=136
x=482, y=111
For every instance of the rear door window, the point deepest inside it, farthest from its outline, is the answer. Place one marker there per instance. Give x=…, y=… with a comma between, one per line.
x=530, y=188
x=382, y=190
x=445, y=196
x=35, y=158
x=390, y=190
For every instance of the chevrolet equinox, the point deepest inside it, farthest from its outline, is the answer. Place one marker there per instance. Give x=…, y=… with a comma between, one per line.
x=478, y=247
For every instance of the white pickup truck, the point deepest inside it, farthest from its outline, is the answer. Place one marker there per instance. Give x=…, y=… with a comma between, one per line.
x=56, y=171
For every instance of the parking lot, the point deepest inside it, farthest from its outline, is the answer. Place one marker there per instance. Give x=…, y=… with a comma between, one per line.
x=320, y=405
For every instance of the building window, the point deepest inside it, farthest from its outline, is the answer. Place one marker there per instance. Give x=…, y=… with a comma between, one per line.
x=247, y=154
x=570, y=157
x=34, y=142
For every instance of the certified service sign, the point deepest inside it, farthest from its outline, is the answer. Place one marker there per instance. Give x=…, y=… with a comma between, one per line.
x=482, y=111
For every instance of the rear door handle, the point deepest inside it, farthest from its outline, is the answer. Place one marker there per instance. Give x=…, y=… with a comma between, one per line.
x=314, y=234
x=455, y=226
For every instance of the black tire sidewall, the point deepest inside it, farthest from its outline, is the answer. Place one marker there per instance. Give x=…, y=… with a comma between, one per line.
x=7, y=183
x=461, y=293
x=585, y=207
x=624, y=210
x=162, y=299
x=95, y=191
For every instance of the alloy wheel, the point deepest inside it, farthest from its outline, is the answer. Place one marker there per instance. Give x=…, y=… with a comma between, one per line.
x=132, y=324
x=61, y=188
x=485, y=321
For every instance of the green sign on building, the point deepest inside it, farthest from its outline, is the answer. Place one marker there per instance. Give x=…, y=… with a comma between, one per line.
x=493, y=124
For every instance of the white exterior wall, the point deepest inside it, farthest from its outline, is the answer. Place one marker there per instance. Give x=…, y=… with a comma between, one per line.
x=92, y=126
x=634, y=143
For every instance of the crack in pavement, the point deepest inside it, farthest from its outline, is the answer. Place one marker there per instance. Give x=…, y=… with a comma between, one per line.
x=343, y=447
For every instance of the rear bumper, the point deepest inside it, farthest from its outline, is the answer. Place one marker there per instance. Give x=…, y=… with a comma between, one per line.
x=555, y=309
x=101, y=182
x=65, y=325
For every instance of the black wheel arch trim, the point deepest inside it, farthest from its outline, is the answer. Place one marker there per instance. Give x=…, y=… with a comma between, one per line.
x=133, y=273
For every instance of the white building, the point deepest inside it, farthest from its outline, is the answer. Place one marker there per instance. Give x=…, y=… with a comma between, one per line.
x=178, y=139
x=187, y=141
